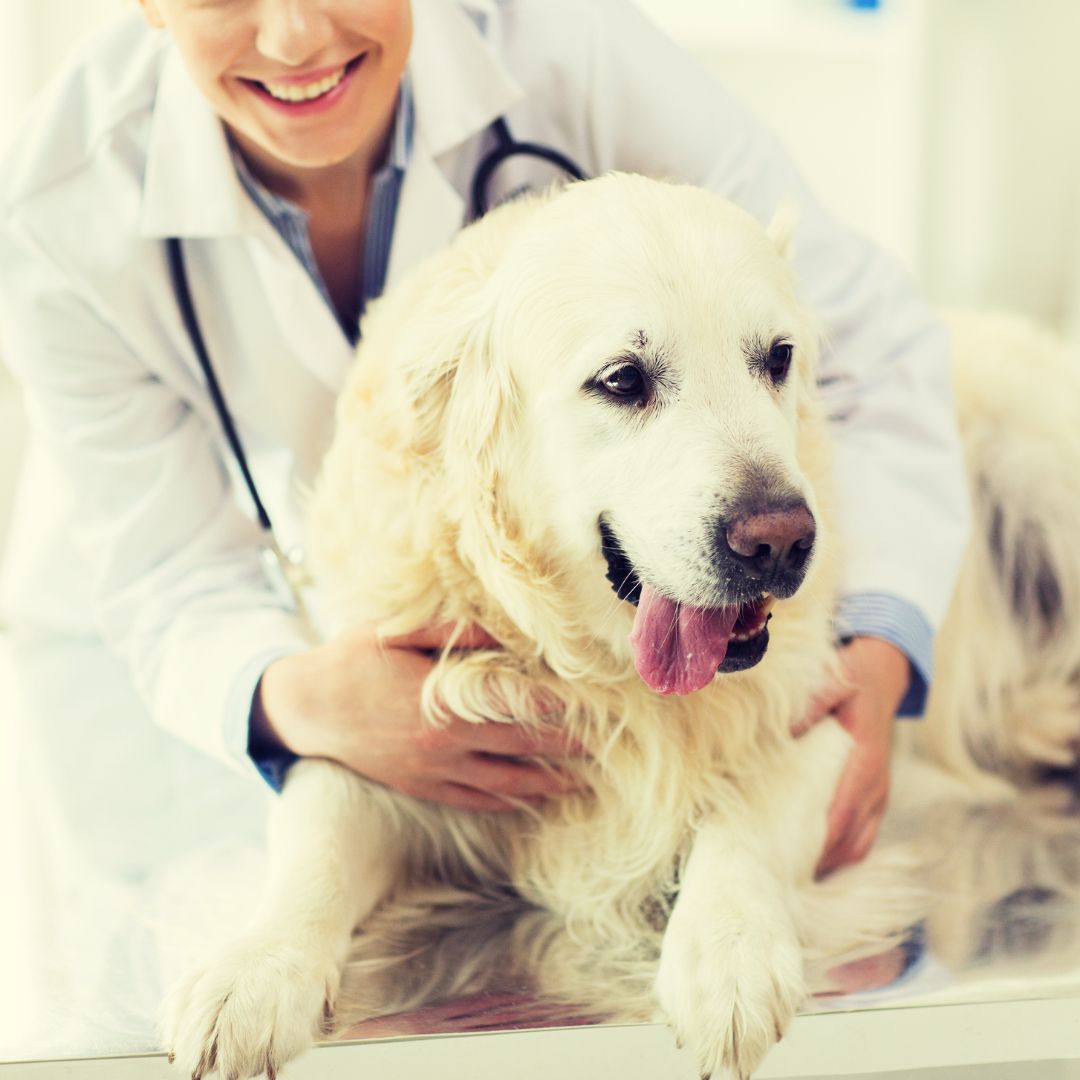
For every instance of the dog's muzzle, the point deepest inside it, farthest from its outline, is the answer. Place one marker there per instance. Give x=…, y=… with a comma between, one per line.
x=766, y=548
x=678, y=648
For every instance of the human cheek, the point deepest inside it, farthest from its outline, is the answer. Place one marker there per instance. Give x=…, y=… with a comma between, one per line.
x=199, y=50
x=388, y=22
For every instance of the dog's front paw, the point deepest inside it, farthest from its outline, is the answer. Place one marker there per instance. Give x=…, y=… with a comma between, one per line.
x=249, y=1010
x=729, y=987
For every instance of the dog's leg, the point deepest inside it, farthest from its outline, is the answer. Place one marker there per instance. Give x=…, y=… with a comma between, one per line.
x=731, y=970
x=731, y=964
x=262, y=1001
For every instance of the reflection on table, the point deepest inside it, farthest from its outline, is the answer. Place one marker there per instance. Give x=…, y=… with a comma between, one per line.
x=965, y=900
x=970, y=900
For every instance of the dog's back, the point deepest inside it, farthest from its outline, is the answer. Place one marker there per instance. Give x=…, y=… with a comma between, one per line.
x=1006, y=692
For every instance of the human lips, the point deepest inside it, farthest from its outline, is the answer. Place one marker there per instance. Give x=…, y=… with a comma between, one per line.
x=291, y=91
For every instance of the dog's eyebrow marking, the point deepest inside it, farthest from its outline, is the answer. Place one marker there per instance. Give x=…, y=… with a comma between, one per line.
x=640, y=340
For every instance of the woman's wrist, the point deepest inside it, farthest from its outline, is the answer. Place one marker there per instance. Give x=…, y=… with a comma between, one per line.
x=280, y=718
x=885, y=668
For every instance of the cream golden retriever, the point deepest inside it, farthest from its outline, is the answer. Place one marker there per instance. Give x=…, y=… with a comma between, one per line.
x=618, y=465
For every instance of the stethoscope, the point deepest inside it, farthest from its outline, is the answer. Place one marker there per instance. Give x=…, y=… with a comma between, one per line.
x=286, y=569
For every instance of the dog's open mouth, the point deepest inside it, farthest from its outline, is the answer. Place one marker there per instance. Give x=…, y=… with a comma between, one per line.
x=678, y=649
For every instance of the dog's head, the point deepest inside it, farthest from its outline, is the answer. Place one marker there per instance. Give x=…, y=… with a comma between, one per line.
x=620, y=410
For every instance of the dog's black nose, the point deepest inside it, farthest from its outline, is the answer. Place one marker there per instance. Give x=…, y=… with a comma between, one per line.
x=771, y=543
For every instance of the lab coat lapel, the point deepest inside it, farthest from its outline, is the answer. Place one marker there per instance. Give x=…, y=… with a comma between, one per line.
x=190, y=188
x=301, y=377
x=303, y=317
x=429, y=213
x=455, y=103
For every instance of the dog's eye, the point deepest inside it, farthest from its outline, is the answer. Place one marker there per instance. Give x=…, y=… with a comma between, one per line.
x=626, y=381
x=779, y=362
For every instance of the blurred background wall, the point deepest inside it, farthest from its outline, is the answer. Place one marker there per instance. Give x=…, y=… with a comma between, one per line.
x=944, y=129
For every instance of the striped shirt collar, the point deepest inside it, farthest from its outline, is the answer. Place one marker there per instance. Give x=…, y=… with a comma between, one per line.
x=291, y=221
x=277, y=207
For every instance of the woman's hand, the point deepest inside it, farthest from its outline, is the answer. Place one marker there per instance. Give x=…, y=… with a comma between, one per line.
x=356, y=700
x=874, y=677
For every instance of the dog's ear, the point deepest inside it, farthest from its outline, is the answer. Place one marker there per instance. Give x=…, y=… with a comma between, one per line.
x=417, y=424
x=781, y=229
x=432, y=338
x=428, y=334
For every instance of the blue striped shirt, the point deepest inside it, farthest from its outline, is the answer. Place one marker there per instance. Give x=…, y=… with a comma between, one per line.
x=884, y=616
x=292, y=222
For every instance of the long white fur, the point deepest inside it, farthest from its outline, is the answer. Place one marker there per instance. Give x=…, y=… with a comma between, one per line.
x=464, y=485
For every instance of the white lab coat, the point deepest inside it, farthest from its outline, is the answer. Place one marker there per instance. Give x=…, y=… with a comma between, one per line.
x=130, y=524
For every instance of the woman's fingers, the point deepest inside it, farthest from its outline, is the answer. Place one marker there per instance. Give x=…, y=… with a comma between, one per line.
x=825, y=703
x=853, y=846
x=438, y=637
x=515, y=740
x=518, y=779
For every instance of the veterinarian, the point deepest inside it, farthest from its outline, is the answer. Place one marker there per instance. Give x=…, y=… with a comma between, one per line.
x=307, y=153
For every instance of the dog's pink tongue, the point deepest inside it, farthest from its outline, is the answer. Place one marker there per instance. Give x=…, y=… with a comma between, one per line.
x=677, y=649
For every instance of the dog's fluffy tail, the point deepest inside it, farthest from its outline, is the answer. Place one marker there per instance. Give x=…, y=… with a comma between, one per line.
x=1006, y=695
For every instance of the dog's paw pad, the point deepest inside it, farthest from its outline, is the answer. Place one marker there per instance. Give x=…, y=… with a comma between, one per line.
x=249, y=1011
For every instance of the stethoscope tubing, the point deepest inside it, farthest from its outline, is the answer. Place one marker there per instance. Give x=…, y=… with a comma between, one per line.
x=505, y=148
x=182, y=290
x=277, y=565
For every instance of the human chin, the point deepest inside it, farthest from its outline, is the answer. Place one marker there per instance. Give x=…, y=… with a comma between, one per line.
x=314, y=147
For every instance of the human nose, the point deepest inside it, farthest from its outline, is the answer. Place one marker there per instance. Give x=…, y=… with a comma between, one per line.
x=292, y=32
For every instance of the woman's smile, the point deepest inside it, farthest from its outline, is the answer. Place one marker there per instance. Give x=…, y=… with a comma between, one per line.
x=302, y=95
x=299, y=84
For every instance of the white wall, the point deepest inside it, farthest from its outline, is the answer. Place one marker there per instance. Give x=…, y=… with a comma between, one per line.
x=945, y=129
x=843, y=89
x=1003, y=146
x=37, y=35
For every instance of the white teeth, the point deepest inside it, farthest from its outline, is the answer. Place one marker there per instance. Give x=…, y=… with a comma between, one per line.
x=308, y=91
x=765, y=604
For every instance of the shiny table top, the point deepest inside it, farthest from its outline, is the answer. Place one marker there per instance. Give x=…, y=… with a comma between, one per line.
x=982, y=901
x=978, y=905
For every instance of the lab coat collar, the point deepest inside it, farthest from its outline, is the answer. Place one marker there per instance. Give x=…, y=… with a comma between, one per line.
x=459, y=83
x=191, y=188
x=460, y=88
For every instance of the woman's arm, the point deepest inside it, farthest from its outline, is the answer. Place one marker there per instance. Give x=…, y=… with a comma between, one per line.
x=177, y=581
x=173, y=564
